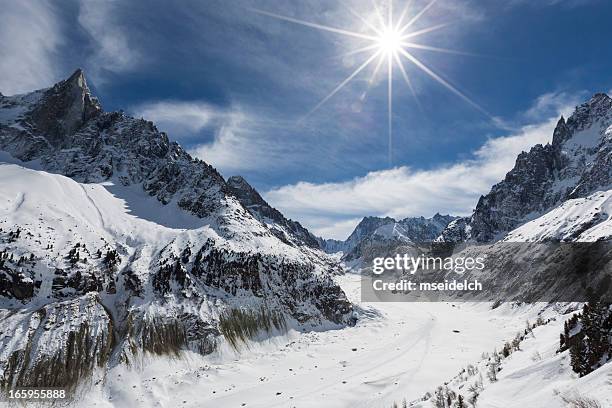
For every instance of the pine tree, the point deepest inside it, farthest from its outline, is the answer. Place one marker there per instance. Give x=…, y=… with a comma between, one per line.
x=492, y=373
x=578, y=358
x=439, y=400
x=507, y=349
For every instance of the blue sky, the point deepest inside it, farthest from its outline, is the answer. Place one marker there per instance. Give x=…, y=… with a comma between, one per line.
x=233, y=86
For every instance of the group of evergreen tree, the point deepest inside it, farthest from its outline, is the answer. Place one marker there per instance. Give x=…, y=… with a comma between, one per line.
x=74, y=255
x=6, y=256
x=111, y=259
x=588, y=336
x=14, y=235
x=443, y=397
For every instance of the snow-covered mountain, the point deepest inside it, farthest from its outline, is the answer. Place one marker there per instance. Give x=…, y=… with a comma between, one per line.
x=576, y=164
x=115, y=241
x=376, y=236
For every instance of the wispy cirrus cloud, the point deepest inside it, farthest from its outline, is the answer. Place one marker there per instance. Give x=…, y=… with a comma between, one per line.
x=247, y=141
x=29, y=38
x=112, y=49
x=233, y=139
x=181, y=118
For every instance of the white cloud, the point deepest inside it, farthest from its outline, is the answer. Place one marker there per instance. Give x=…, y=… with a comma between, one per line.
x=245, y=141
x=113, y=52
x=241, y=140
x=328, y=208
x=551, y=103
x=180, y=117
x=29, y=38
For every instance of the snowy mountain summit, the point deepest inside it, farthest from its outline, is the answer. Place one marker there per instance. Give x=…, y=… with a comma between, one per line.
x=576, y=164
x=379, y=236
x=114, y=241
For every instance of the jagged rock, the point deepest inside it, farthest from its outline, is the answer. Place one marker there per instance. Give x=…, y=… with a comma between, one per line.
x=285, y=229
x=375, y=236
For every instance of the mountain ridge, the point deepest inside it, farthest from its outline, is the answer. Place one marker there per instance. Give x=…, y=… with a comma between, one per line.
x=375, y=234
x=576, y=163
x=108, y=224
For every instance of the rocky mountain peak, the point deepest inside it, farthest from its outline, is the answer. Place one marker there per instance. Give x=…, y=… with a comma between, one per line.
x=596, y=108
x=443, y=218
x=600, y=98
x=65, y=107
x=561, y=132
x=367, y=226
x=575, y=164
x=120, y=241
x=241, y=185
x=375, y=235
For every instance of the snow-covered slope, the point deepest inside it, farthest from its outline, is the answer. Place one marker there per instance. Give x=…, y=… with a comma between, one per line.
x=581, y=219
x=533, y=374
x=114, y=241
x=395, y=350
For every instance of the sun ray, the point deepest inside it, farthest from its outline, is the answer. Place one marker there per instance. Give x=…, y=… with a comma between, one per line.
x=403, y=15
x=390, y=107
x=437, y=49
x=417, y=16
x=378, y=14
x=342, y=84
x=359, y=51
x=376, y=69
x=390, y=43
x=372, y=78
x=423, y=31
x=400, y=20
x=442, y=81
x=400, y=64
x=314, y=25
x=363, y=19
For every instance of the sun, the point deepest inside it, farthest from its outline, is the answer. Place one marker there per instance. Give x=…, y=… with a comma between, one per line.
x=387, y=41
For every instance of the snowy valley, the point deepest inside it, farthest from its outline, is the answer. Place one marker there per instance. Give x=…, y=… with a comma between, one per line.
x=135, y=275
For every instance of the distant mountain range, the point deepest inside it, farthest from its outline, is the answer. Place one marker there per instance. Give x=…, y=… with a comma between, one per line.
x=375, y=236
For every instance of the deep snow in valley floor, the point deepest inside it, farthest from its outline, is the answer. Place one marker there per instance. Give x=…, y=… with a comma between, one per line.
x=396, y=351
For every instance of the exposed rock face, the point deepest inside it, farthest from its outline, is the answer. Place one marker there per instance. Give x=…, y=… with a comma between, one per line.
x=331, y=246
x=64, y=108
x=285, y=229
x=146, y=261
x=575, y=164
x=456, y=231
x=55, y=345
